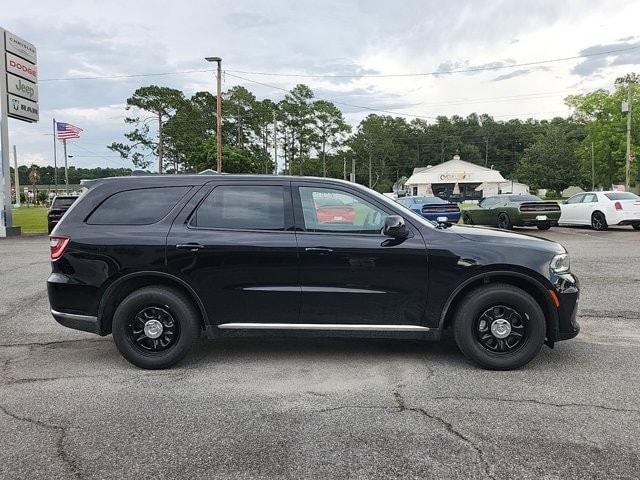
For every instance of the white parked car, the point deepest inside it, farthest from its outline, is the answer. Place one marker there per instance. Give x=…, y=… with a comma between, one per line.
x=601, y=209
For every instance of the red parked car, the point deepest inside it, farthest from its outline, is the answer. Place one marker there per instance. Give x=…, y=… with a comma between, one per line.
x=332, y=210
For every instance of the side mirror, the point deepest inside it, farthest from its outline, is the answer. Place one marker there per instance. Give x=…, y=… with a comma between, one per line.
x=395, y=227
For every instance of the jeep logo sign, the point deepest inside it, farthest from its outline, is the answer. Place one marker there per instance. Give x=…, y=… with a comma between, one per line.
x=22, y=68
x=23, y=109
x=22, y=88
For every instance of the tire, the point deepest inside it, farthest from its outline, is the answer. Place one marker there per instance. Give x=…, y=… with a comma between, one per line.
x=636, y=226
x=543, y=226
x=529, y=322
x=466, y=219
x=599, y=221
x=180, y=327
x=504, y=222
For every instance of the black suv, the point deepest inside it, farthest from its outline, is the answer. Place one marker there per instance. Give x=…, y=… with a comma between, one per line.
x=158, y=260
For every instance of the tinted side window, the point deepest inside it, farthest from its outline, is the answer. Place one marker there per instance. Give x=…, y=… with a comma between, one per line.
x=242, y=207
x=137, y=207
x=589, y=198
x=329, y=210
x=489, y=202
x=576, y=198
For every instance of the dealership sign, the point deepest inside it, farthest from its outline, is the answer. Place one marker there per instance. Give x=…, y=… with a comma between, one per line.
x=22, y=88
x=19, y=77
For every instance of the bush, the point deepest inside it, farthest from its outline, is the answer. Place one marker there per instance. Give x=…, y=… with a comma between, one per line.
x=552, y=195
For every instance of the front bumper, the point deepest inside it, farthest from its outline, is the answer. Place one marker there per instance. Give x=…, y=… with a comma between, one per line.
x=568, y=289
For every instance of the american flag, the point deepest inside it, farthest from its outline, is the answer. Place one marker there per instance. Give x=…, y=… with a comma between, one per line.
x=66, y=130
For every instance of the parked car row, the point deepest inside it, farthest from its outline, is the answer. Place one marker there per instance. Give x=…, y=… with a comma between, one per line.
x=596, y=209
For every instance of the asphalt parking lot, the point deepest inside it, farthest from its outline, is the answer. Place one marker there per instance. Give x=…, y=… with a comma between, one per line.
x=72, y=407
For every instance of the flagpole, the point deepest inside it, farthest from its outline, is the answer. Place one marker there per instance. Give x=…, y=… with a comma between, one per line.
x=66, y=171
x=55, y=158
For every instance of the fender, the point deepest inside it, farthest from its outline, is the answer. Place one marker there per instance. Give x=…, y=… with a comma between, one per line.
x=111, y=288
x=507, y=273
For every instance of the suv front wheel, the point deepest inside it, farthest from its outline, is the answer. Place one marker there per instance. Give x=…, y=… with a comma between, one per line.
x=499, y=327
x=154, y=327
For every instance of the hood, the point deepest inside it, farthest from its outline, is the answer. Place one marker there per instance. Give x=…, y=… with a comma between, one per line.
x=502, y=237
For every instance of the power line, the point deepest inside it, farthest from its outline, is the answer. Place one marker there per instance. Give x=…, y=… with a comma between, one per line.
x=389, y=75
x=440, y=72
x=425, y=117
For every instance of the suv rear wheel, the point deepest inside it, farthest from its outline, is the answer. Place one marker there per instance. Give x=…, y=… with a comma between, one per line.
x=499, y=326
x=154, y=327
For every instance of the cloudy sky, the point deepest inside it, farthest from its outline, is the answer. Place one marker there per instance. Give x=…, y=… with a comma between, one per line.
x=93, y=38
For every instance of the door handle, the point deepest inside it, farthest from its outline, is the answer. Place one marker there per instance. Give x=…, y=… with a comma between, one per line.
x=319, y=250
x=192, y=247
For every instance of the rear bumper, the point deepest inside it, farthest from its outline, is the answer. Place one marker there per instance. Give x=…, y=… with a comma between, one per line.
x=451, y=216
x=72, y=304
x=85, y=323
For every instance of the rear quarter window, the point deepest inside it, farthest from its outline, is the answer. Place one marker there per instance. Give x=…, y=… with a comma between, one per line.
x=142, y=206
x=622, y=196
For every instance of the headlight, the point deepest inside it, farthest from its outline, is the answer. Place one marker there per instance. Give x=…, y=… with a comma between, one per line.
x=560, y=263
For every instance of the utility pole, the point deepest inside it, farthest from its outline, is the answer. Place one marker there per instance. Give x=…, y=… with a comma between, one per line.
x=17, y=178
x=353, y=169
x=66, y=170
x=627, y=169
x=486, y=151
x=55, y=157
x=218, y=60
x=593, y=169
x=370, y=170
x=275, y=144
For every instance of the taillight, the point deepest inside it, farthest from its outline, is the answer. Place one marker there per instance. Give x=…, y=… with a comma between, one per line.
x=618, y=205
x=57, y=246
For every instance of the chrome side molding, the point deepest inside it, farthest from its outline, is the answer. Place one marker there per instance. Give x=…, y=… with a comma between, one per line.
x=323, y=326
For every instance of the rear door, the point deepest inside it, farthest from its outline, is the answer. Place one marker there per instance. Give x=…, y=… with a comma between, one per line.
x=350, y=273
x=234, y=244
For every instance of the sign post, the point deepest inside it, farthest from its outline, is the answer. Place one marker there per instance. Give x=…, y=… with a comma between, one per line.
x=18, y=99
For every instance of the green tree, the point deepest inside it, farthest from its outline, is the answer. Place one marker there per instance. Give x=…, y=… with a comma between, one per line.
x=604, y=123
x=551, y=162
x=160, y=103
x=330, y=128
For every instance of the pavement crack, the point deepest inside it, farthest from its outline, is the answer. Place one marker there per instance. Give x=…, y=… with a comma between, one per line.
x=19, y=381
x=67, y=459
x=538, y=402
x=402, y=407
x=55, y=342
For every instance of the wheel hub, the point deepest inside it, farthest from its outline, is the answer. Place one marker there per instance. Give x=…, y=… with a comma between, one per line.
x=153, y=328
x=501, y=328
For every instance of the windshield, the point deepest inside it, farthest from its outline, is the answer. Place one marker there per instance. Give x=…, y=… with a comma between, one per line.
x=524, y=198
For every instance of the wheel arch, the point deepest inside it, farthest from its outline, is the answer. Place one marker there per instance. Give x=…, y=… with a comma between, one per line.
x=118, y=290
x=525, y=281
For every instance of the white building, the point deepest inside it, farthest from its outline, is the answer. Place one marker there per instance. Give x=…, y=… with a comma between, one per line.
x=457, y=177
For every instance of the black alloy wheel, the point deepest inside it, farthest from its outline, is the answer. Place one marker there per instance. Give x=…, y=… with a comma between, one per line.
x=504, y=222
x=636, y=226
x=599, y=221
x=499, y=326
x=154, y=327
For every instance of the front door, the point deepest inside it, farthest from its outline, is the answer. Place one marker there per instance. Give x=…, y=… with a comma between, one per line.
x=570, y=210
x=349, y=272
x=235, y=245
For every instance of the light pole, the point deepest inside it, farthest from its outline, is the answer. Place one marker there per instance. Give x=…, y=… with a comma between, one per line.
x=218, y=60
